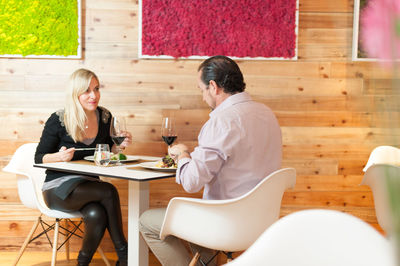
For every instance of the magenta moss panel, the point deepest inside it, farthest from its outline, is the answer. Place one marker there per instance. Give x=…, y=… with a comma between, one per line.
x=240, y=28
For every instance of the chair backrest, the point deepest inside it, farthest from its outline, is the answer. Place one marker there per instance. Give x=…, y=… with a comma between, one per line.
x=375, y=177
x=30, y=181
x=229, y=225
x=319, y=237
x=21, y=164
x=383, y=155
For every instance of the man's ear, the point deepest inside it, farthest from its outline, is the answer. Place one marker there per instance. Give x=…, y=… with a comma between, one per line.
x=215, y=90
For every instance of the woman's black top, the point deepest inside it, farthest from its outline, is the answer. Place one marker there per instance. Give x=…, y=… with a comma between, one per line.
x=55, y=136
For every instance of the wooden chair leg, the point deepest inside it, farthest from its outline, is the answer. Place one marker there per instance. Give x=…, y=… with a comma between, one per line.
x=55, y=243
x=66, y=225
x=195, y=259
x=103, y=256
x=27, y=239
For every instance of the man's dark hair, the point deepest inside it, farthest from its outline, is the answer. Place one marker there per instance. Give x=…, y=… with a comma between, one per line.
x=225, y=72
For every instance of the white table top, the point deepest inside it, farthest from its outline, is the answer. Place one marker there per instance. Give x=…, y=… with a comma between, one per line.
x=130, y=171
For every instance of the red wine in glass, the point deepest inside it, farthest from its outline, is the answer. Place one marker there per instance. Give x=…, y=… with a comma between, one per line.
x=168, y=132
x=117, y=132
x=169, y=139
x=118, y=140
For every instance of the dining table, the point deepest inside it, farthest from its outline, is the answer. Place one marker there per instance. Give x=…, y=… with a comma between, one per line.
x=138, y=195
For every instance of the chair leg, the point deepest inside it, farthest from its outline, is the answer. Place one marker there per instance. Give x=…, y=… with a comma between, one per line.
x=229, y=257
x=195, y=259
x=26, y=242
x=55, y=243
x=66, y=225
x=103, y=256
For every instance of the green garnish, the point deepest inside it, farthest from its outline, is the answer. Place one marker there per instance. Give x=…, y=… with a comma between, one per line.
x=122, y=156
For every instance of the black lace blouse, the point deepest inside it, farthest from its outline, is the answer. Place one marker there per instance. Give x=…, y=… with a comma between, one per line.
x=54, y=136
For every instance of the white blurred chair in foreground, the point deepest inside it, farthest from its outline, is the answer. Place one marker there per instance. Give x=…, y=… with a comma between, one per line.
x=228, y=225
x=319, y=237
x=30, y=180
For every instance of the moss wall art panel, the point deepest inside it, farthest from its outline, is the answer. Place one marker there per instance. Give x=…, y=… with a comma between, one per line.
x=248, y=29
x=40, y=28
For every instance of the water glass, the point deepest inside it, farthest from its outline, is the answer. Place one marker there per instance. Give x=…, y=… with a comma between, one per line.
x=102, y=155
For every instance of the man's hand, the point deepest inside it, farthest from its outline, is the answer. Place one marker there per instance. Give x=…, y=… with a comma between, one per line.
x=178, y=151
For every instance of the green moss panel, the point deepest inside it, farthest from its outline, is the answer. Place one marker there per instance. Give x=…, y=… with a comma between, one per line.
x=39, y=27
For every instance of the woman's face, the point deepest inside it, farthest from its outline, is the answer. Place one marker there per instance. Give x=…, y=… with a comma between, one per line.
x=91, y=97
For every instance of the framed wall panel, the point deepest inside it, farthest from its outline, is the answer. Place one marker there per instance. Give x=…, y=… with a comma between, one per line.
x=40, y=29
x=358, y=53
x=242, y=29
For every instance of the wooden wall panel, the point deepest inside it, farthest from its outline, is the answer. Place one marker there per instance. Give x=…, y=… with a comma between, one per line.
x=325, y=20
x=332, y=111
x=339, y=6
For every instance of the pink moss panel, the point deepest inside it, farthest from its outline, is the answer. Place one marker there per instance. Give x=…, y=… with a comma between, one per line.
x=240, y=28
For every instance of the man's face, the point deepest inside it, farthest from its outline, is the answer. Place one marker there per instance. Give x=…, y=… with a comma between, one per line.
x=206, y=92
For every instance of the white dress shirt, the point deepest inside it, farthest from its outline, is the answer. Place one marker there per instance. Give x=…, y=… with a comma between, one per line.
x=238, y=146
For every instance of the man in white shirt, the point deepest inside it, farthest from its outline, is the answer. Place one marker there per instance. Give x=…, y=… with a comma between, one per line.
x=238, y=146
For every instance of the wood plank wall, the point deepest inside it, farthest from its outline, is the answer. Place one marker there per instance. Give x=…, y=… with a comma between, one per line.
x=327, y=105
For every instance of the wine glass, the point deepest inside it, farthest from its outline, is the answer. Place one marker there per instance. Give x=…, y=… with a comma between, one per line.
x=168, y=132
x=102, y=155
x=117, y=133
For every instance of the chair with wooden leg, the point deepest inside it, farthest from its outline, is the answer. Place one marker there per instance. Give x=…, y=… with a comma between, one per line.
x=228, y=225
x=30, y=180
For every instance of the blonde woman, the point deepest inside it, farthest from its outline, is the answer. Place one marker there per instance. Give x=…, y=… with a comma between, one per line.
x=82, y=124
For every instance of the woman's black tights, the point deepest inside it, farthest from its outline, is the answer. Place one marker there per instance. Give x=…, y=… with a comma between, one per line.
x=100, y=207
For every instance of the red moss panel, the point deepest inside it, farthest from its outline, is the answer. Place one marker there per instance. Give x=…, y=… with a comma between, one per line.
x=237, y=28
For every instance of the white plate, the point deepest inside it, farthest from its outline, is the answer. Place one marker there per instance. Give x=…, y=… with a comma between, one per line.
x=129, y=158
x=152, y=166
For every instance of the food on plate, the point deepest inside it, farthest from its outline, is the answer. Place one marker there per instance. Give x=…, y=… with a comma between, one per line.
x=122, y=156
x=166, y=162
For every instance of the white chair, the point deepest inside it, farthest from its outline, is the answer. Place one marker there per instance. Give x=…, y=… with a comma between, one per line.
x=228, y=225
x=375, y=177
x=319, y=237
x=30, y=180
x=383, y=155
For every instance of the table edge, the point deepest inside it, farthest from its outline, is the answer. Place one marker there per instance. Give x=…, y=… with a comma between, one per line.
x=106, y=175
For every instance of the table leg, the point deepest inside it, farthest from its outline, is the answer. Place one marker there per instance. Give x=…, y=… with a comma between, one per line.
x=138, y=202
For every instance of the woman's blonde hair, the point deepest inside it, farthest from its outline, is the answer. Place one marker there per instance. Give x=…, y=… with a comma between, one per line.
x=74, y=116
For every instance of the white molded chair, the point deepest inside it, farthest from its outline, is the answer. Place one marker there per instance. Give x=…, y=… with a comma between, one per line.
x=383, y=155
x=228, y=225
x=319, y=237
x=30, y=180
x=375, y=177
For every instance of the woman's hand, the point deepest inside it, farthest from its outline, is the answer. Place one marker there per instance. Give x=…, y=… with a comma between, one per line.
x=127, y=141
x=65, y=155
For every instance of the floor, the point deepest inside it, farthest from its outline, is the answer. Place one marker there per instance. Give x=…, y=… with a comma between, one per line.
x=41, y=258
x=44, y=259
